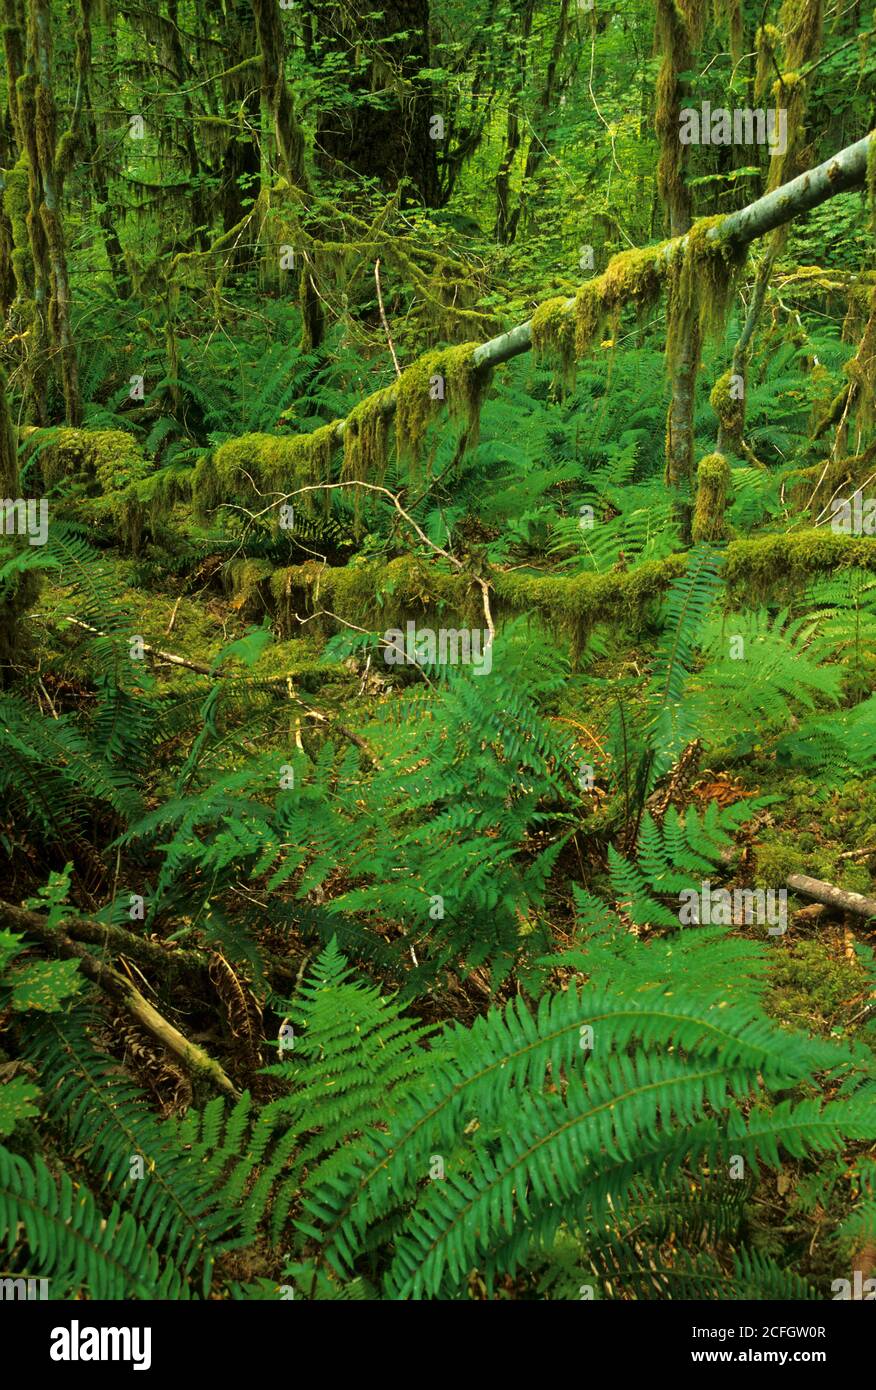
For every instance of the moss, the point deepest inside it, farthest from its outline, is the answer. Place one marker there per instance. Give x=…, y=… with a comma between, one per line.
x=371, y=594
x=19, y=591
x=566, y=332
x=108, y=462
x=366, y=438
x=632, y=277
x=672, y=39
x=247, y=581
x=774, y=863
x=553, y=335
x=827, y=479
x=464, y=387
x=861, y=370
x=729, y=409
x=766, y=41
x=714, y=488
x=701, y=276
x=731, y=12
x=65, y=151
x=16, y=202
x=8, y=451
x=259, y=469
x=814, y=985
x=778, y=566
x=800, y=22
x=111, y=458
x=574, y=606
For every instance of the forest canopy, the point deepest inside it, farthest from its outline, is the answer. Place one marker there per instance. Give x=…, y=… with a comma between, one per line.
x=438, y=650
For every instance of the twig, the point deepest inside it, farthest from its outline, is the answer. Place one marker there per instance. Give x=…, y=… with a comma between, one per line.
x=169, y=627
x=125, y=993
x=153, y=651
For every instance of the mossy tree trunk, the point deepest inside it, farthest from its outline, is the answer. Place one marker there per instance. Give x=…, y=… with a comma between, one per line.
x=97, y=165
x=678, y=27
x=49, y=178
x=241, y=164
x=277, y=100
x=388, y=138
x=20, y=592
x=802, y=45
x=512, y=131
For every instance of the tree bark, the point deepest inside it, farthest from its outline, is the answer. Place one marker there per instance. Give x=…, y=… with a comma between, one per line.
x=831, y=896
x=387, y=139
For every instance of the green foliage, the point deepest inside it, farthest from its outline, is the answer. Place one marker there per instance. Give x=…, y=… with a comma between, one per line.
x=449, y=890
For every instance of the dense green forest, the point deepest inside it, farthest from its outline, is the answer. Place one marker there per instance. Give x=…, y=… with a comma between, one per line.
x=438, y=649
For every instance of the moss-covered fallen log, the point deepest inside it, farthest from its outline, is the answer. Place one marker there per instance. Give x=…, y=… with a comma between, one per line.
x=257, y=471
x=380, y=595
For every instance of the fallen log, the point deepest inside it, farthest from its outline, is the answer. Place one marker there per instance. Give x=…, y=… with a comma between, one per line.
x=845, y=170
x=832, y=896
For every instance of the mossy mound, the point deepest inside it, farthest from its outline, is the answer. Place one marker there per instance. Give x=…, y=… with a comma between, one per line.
x=110, y=467
x=111, y=458
x=714, y=488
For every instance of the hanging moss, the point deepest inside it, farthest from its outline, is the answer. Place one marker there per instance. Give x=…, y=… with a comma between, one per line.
x=574, y=606
x=366, y=438
x=248, y=583
x=442, y=381
x=714, y=488
x=567, y=333
x=553, y=336
x=633, y=277
x=377, y=595
x=259, y=469
x=701, y=277
x=372, y=594
x=801, y=22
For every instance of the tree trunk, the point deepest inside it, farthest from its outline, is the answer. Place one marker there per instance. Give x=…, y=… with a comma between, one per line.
x=385, y=132
x=241, y=164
